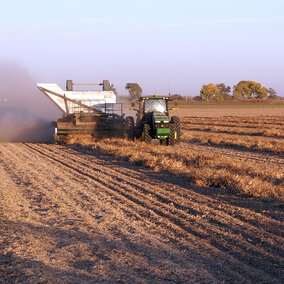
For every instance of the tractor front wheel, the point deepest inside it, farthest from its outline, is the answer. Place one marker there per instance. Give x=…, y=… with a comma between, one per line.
x=176, y=121
x=171, y=138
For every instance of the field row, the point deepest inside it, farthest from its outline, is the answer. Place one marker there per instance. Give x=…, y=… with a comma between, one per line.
x=202, y=169
x=225, y=123
x=227, y=131
x=268, y=132
x=239, y=121
x=246, y=142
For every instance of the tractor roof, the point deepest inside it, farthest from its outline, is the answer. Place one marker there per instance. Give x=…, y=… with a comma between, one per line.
x=154, y=97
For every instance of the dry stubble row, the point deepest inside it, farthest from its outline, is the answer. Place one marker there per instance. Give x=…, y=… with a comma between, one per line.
x=252, y=133
x=208, y=170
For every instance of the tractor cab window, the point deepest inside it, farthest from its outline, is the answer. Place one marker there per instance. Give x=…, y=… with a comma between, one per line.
x=158, y=106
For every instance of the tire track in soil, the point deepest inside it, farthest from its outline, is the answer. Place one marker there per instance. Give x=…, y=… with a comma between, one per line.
x=155, y=204
x=192, y=219
x=150, y=255
x=165, y=195
x=179, y=225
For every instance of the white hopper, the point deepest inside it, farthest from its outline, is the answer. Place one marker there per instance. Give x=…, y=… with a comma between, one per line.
x=70, y=102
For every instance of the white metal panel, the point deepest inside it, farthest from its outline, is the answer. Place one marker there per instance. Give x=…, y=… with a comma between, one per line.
x=88, y=98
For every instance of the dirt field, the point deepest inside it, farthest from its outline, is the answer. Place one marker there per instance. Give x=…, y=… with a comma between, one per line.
x=217, y=110
x=242, y=154
x=72, y=215
x=122, y=212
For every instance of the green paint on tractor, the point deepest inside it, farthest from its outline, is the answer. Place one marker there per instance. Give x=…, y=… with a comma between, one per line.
x=163, y=132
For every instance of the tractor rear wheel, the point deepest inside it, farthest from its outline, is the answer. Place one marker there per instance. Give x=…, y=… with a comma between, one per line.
x=146, y=133
x=129, y=128
x=176, y=121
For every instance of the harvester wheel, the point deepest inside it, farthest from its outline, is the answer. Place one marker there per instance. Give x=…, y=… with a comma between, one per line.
x=59, y=139
x=146, y=133
x=129, y=127
x=176, y=121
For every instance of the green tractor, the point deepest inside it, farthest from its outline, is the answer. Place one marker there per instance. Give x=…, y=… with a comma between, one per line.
x=154, y=122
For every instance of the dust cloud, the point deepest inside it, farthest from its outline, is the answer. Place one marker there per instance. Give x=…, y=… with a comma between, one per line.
x=26, y=115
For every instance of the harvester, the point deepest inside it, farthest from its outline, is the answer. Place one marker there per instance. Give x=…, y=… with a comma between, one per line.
x=85, y=112
x=154, y=122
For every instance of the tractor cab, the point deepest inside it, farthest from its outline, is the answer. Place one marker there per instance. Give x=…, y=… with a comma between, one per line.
x=156, y=104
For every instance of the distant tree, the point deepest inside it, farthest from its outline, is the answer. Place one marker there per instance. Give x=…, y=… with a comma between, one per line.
x=272, y=93
x=224, y=92
x=249, y=90
x=241, y=90
x=176, y=97
x=197, y=98
x=209, y=92
x=259, y=91
x=134, y=90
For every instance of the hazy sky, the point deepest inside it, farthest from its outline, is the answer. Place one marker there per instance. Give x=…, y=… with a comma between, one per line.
x=164, y=45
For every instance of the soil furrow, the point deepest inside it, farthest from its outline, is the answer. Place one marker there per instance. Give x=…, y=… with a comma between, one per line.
x=96, y=219
x=177, y=199
x=177, y=222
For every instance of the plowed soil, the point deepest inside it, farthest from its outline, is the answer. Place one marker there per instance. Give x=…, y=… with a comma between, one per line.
x=73, y=215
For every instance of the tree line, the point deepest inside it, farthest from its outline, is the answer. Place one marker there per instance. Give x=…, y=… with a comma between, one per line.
x=220, y=92
x=241, y=91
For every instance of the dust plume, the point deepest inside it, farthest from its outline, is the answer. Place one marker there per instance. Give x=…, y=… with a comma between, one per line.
x=25, y=113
